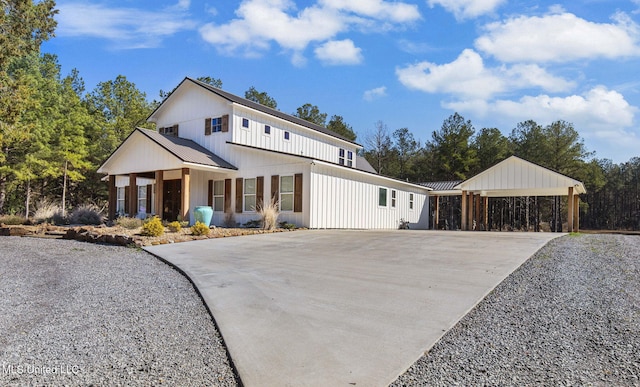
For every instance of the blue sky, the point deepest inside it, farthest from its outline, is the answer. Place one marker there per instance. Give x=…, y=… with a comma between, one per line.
x=407, y=63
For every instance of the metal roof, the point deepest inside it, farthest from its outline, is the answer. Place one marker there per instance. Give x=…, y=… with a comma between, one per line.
x=442, y=185
x=186, y=150
x=264, y=109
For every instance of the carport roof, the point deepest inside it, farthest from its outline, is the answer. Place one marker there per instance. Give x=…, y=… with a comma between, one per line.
x=517, y=177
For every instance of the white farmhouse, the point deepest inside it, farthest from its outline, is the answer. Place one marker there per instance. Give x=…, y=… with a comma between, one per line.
x=214, y=148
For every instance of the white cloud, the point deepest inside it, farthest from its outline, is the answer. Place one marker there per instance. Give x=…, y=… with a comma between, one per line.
x=598, y=109
x=375, y=93
x=466, y=9
x=394, y=11
x=468, y=77
x=260, y=23
x=339, y=52
x=125, y=27
x=559, y=38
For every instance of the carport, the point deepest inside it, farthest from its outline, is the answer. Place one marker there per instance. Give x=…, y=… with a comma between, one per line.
x=510, y=178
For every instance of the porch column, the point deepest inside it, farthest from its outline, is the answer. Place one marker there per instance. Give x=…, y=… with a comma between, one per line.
x=570, y=208
x=463, y=223
x=485, y=217
x=185, y=193
x=133, y=195
x=159, y=193
x=113, y=197
x=576, y=214
x=436, y=215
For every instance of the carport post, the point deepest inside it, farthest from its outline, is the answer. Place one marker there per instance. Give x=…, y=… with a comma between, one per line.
x=576, y=214
x=113, y=197
x=478, y=205
x=470, y=208
x=133, y=195
x=463, y=222
x=185, y=194
x=570, y=208
x=436, y=215
x=485, y=218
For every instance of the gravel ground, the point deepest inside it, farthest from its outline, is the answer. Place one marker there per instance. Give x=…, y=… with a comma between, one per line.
x=569, y=316
x=74, y=313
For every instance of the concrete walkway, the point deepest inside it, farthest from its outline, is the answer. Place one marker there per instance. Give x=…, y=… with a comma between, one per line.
x=343, y=308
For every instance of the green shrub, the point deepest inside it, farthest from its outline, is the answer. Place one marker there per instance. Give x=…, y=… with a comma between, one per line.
x=200, y=229
x=153, y=227
x=287, y=226
x=252, y=224
x=174, y=226
x=86, y=214
x=12, y=220
x=129, y=223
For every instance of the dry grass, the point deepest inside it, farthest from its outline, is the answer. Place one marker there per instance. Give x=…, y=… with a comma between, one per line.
x=269, y=214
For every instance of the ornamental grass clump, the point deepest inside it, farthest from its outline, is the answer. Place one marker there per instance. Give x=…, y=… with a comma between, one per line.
x=269, y=214
x=199, y=229
x=153, y=227
x=129, y=223
x=86, y=214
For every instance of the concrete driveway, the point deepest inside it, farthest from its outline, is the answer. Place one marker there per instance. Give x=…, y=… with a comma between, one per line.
x=343, y=308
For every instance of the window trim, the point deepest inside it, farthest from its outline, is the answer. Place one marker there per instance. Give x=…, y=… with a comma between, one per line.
x=386, y=196
x=245, y=121
x=286, y=193
x=245, y=194
x=218, y=196
x=142, y=196
x=120, y=201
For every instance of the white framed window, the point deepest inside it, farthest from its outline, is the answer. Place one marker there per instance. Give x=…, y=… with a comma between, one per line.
x=142, y=199
x=120, y=210
x=341, y=156
x=286, y=193
x=267, y=129
x=218, y=195
x=411, y=201
x=394, y=195
x=349, y=159
x=287, y=135
x=382, y=197
x=249, y=195
x=245, y=123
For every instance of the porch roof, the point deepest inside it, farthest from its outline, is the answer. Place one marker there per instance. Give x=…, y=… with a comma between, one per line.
x=178, y=152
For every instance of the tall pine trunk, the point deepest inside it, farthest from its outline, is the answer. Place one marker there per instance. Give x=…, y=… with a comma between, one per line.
x=27, y=200
x=64, y=188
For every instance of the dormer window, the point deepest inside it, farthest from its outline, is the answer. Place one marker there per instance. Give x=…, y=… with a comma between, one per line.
x=245, y=123
x=169, y=130
x=287, y=135
x=345, y=158
x=267, y=129
x=341, y=156
x=349, y=159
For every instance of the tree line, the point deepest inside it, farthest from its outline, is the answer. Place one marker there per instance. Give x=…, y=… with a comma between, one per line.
x=54, y=134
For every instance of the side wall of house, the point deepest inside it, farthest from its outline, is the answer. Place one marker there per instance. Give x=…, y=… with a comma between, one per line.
x=343, y=199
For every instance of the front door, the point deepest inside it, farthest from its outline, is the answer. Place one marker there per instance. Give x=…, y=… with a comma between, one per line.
x=171, y=198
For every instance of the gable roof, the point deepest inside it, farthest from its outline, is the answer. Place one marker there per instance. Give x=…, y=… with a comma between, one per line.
x=518, y=177
x=186, y=151
x=261, y=108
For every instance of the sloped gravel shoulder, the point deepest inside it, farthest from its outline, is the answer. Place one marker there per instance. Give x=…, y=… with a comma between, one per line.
x=74, y=313
x=569, y=316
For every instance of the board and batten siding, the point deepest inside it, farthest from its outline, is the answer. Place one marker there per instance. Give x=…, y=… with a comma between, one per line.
x=302, y=141
x=345, y=199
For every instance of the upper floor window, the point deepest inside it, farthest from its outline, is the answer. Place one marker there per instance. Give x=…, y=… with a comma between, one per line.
x=345, y=157
x=411, y=201
x=212, y=125
x=267, y=129
x=169, y=130
x=245, y=123
x=341, y=156
x=287, y=135
x=349, y=159
x=394, y=193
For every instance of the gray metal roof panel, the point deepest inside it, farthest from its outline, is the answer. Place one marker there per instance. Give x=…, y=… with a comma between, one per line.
x=187, y=150
x=442, y=185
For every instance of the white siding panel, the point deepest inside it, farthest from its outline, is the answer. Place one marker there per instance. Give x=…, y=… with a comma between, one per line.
x=343, y=199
